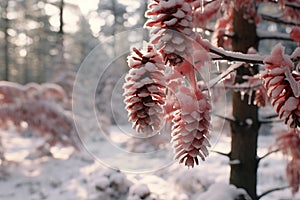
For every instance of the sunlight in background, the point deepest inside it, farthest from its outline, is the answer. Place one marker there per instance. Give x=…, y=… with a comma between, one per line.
x=95, y=20
x=85, y=6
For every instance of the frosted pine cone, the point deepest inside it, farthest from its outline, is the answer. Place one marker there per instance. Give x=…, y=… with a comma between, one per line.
x=191, y=124
x=145, y=90
x=172, y=20
x=278, y=86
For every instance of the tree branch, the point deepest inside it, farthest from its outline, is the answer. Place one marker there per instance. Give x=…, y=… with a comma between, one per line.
x=267, y=154
x=271, y=116
x=287, y=4
x=235, y=87
x=219, y=78
x=222, y=54
x=267, y=35
x=221, y=153
x=224, y=117
x=278, y=20
x=271, y=190
x=212, y=31
x=270, y=121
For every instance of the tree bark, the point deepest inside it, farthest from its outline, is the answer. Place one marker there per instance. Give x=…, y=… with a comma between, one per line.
x=6, y=41
x=61, y=17
x=244, y=131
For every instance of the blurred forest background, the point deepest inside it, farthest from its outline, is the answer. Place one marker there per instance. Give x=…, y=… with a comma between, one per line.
x=40, y=39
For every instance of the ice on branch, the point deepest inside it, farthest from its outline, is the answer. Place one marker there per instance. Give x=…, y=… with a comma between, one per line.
x=191, y=123
x=172, y=24
x=289, y=143
x=283, y=86
x=144, y=90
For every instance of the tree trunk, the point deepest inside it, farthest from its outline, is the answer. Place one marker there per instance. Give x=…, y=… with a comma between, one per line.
x=6, y=41
x=61, y=17
x=244, y=131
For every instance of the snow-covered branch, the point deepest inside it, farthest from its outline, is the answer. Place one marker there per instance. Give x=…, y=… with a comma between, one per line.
x=221, y=54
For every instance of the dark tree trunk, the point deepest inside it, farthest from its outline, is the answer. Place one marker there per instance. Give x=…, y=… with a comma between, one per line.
x=61, y=17
x=6, y=41
x=244, y=131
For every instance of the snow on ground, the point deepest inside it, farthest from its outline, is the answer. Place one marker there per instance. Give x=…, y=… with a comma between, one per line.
x=78, y=176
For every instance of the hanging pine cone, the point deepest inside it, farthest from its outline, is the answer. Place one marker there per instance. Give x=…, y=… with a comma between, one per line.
x=261, y=97
x=190, y=129
x=145, y=90
x=277, y=83
x=289, y=144
x=172, y=20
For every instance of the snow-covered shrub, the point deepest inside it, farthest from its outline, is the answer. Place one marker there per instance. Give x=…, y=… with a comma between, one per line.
x=223, y=191
x=141, y=192
x=191, y=182
x=39, y=108
x=111, y=184
x=159, y=186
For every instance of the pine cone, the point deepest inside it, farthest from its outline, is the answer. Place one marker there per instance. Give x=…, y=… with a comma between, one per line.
x=261, y=97
x=289, y=144
x=191, y=124
x=293, y=175
x=279, y=88
x=173, y=24
x=145, y=90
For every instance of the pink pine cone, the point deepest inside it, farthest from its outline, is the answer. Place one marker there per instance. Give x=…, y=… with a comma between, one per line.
x=278, y=86
x=173, y=26
x=191, y=125
x=261, y=97
x=289, y=144
x=145, y=90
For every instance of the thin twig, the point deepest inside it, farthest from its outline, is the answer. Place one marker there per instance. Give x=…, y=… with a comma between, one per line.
x=224, y=117
x=267, y=35
x=234, y=87
x=271, y=116
x=270, y=191
x=270, y=121
x=267, y=154
x=212, y=31
x=221, y=153
x=219, y=78
x=287, y=4
x=278, y=20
